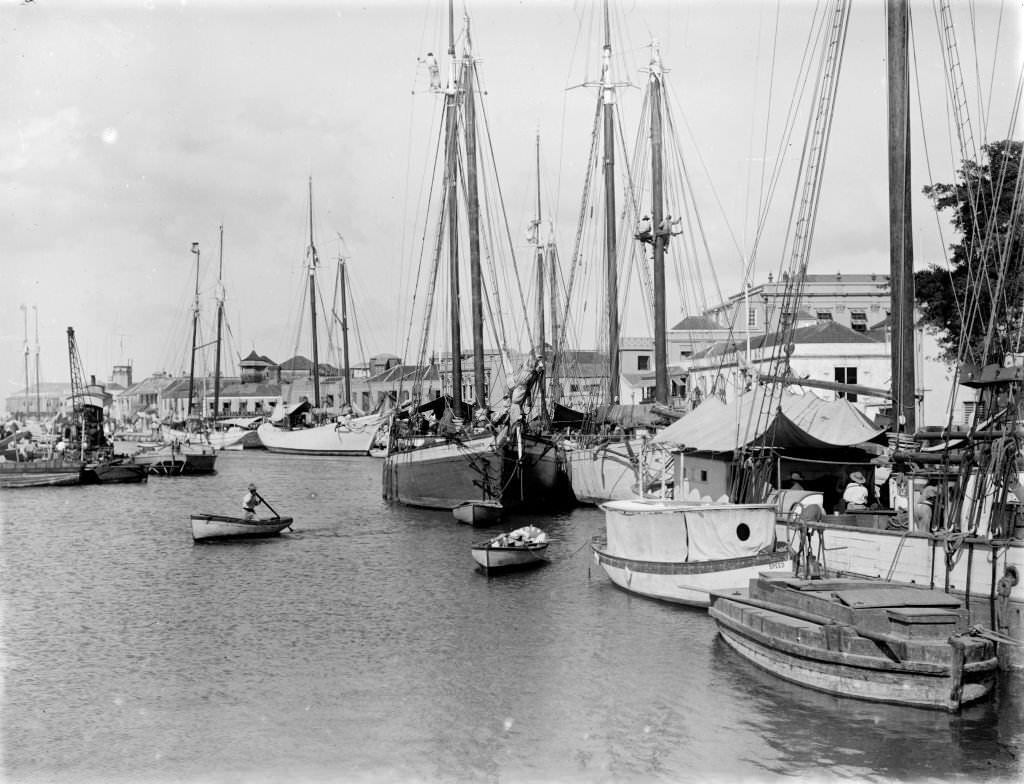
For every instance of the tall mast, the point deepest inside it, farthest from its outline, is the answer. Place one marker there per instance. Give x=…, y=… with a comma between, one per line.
x=660, y=238
x=551, y=369
x=24, y=309
x=344, y=329
x=451, y=156
x=39, y=412
x=540, y=266
x=220, y=321
x=901, y=244
x=473, y=215
x=313, y=261
x=541, y=274
x=195, y=331
x=611, y=270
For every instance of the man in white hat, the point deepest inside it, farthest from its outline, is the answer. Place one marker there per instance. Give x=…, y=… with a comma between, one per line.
x=856, y=493
x=251, y=501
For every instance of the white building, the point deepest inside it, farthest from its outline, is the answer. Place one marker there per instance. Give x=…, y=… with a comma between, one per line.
x=825, y=351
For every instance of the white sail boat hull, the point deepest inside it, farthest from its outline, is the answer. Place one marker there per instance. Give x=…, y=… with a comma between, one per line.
x=678, y=551
x=331, y=439
x=609, y=472
x=234, y=438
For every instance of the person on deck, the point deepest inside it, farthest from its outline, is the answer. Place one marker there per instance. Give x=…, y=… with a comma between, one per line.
x=796, y=480
x=251, y=501
x=856, y=493
x=446, y=425
x=882, y=473
x=924, y=509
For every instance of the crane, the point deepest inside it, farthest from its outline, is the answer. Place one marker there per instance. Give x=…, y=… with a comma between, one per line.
x=87, y=407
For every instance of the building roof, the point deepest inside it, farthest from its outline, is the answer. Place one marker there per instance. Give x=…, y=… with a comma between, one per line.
x=148, y=386
x=299, y=363
x=405, y=373
x=229, y=387
x=254, y=357
x=819, y=333
x=235, y=388
x=45, y=388
x=693, y=323
x=825, y=332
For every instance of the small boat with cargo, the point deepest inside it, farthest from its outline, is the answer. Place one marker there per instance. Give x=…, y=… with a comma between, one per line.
x=519, y=549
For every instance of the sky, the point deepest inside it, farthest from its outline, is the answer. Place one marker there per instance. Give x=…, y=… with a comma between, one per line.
x=131, y=130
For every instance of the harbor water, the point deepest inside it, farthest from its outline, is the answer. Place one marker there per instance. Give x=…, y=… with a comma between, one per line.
x=365, y=646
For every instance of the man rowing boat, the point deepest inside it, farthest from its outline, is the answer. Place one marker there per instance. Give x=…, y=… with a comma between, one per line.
x=251, y=500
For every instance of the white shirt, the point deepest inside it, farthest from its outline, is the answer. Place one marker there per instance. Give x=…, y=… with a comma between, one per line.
x=855, y=494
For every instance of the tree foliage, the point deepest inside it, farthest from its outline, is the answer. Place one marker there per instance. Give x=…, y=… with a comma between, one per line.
x=974, y=302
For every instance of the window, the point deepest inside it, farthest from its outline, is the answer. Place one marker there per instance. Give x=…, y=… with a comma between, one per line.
x=847, y=375
x=752, y=318
x=859, y=320
x=258, y=406
x=703, y=475
x=643, y=362
x=225, y=407
x=824, y=315
x=243, y=406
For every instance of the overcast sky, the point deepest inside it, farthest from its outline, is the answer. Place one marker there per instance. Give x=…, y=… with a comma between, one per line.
x=130, y=130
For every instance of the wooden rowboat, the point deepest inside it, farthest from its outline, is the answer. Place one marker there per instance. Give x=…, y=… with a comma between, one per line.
x=523, y=548
x=860, y=638
x=208, y=527
x=480, y=513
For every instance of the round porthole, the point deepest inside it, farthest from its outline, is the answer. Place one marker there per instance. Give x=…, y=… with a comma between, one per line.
x=743, y=532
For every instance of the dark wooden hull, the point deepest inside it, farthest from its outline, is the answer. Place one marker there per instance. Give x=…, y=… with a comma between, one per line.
x=168, y=462
x=40, y=473
x=115, y=472
x=905, y=646
x=441, y=474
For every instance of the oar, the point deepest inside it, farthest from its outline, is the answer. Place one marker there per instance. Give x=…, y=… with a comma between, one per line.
x=264, y=500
